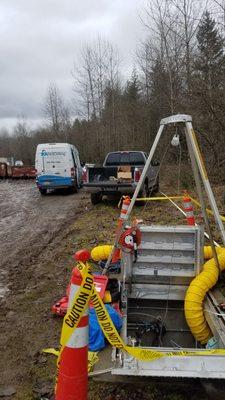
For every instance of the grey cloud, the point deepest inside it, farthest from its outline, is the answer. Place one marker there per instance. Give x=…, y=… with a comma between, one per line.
x=41, y=40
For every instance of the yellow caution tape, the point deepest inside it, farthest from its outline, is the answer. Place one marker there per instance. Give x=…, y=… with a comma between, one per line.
x=177, y=198
x=141, y=354
x=112, y=335
x=207, y=209
x=88, y=292
x=92, y=360
x=75, y=312
x=51, y=351
x=159, y=198
x=92, y=356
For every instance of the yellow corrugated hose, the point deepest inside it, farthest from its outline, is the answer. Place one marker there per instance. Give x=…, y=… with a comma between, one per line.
x=196, y=292
x=99, y=253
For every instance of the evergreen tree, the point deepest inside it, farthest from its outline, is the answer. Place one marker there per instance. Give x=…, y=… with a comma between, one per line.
x=210, y=60
x=132, y=91
x=208, y=89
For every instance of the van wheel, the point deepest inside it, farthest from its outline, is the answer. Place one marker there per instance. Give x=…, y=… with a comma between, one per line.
x=43, y=191
x=74, y=189
x=96, y=198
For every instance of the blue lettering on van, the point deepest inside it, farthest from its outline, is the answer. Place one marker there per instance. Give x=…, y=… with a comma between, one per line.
x=45, y=153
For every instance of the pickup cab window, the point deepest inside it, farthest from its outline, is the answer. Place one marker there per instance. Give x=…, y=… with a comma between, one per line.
x=124, y=158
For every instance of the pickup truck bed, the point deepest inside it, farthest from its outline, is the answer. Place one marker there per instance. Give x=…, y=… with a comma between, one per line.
x=104, y=180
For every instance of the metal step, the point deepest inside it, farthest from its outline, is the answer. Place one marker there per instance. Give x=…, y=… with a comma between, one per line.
x=157, y=292
x=166, y=246
x=156, y=270
x=165, y=259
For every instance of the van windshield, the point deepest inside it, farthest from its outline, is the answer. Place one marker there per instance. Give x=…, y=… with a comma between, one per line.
x=125, y=158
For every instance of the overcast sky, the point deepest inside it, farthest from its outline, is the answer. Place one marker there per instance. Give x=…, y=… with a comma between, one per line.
x=41, y=40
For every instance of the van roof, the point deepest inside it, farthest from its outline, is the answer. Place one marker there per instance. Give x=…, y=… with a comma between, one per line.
x=54, y=144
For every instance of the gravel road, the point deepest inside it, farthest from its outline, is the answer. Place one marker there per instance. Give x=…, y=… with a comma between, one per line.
x=29, y=221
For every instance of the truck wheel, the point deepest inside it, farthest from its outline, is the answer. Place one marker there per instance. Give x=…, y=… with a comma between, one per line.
x=96, y=198
x=143, y=193
x=156, y=187
x=43, y=191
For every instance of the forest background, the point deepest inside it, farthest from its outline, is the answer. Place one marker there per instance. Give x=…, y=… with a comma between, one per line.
x=179, y=68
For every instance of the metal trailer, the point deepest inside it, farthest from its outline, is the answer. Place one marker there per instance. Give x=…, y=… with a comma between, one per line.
x=17, y=172
x=167, y=260
x=154, y=287
x=23, y=172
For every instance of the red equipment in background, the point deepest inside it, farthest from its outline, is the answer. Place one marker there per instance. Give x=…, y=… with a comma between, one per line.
x=100, y=282
x=24, y=172
x=14, y=172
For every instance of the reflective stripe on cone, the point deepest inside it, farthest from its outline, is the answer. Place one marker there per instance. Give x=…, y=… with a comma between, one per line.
x=123, y=212
x=189, y=210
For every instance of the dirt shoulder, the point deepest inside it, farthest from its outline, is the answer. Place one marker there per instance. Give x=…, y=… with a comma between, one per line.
x=39, y=239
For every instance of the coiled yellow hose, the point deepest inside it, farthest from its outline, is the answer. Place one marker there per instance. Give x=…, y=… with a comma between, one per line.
x=193, y=305
x=99, y=253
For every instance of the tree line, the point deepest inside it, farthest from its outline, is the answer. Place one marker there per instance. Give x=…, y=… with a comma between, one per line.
x=179, y=68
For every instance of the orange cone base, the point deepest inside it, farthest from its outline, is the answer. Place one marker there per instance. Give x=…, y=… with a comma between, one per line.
x=73, y=377
x=191, y=221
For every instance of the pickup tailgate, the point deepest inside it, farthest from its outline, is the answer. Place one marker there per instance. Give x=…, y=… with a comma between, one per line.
x=106, y=177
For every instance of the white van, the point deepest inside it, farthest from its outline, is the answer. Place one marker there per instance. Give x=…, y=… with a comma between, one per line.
x=57, y=166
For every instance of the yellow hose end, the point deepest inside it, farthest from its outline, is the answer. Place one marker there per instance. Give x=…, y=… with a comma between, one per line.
x=99, y=253
x=207, y=252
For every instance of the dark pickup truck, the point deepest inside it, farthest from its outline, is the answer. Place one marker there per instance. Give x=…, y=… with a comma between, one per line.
x=119, y=175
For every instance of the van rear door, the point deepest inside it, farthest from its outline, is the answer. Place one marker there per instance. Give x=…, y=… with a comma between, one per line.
x=54, y=166
x=55, y=161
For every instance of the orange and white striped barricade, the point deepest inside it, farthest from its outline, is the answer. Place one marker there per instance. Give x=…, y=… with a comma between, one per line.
x=188, y=208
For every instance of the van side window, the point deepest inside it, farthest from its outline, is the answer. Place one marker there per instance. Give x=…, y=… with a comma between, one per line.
x=76, y=155
x=74, y=161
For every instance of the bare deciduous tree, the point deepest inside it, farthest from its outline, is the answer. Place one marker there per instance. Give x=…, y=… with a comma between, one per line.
x=57, y=116
x=97, y=72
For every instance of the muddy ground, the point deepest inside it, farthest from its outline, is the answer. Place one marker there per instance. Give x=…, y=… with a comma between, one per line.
x=38, y=238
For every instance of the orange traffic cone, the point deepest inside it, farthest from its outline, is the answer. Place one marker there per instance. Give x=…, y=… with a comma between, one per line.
x=72, y=382
x=188, y=208
x=123, y=212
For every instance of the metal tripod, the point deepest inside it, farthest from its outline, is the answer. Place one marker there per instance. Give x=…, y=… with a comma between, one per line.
x=199, y=171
